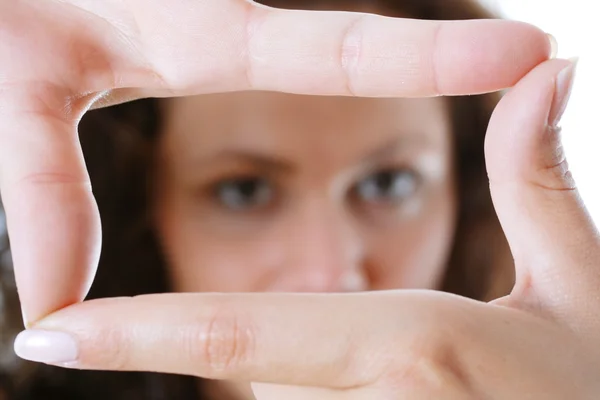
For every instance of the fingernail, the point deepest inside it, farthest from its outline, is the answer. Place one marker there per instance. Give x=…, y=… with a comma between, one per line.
x=564, y=85
x=50, y=347
x=25, y=319
x=553, y=46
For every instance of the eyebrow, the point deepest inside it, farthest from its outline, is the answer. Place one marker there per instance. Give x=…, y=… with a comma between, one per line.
x=252, y=157
x=269, y=162
x=389, y=148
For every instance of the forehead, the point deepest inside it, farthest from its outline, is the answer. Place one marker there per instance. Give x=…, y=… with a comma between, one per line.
x=289, y=125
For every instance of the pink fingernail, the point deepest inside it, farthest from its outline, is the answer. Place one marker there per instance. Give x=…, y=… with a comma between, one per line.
x=25, y=319
x=50, y=347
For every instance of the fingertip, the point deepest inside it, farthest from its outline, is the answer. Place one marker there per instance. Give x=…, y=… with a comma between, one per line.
x=489, y=46
x=519, y=144
x=49, y=347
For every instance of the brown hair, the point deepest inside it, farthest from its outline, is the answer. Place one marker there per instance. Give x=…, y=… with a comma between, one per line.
x=118, y=146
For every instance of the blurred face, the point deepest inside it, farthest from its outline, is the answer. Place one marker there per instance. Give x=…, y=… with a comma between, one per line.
x=276, y=192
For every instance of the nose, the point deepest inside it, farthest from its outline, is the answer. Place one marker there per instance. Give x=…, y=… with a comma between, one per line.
x=323, y=250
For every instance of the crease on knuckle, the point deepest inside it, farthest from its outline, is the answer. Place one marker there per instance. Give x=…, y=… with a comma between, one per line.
x=254, y=18
x=553, y=172
x=433, y=361
x=350, y=50
x=53, y=178
x=224, y=344
x=40, y=100
x=112, y=351
x=556, y=177
x=435, y=66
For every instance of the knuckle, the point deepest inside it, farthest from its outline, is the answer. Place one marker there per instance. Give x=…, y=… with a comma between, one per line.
x=432, y=361
x=47, y=182
x=222, y=344
x=556, y=176
x=53, y=178
x=350, y=51
x=112, y=351
x=436, y=81
x=553, y=172
x=254, y=18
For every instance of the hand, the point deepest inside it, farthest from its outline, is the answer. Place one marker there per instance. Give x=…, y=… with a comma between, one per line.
x=540, y=342
x=59, y=58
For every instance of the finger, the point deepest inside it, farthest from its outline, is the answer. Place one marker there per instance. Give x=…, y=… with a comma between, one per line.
x=311, y=52
x=52, y=219
x=553, y=240
x=400, y=345
x=404, y=344
x=368, y=55
x=312, y=340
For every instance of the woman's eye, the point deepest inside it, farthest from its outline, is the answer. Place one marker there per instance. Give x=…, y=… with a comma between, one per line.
x=244, y=193
x=387, y=186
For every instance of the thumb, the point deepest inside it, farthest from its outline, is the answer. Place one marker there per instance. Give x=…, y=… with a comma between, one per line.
x=552, y=238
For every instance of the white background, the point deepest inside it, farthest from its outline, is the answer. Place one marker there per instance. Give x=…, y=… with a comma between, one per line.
x=577, y=30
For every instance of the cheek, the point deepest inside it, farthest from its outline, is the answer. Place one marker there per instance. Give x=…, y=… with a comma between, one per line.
x=200, y=259
x=414, y=255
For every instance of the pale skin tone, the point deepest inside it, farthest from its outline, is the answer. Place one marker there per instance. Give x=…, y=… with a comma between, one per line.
x=539, y=341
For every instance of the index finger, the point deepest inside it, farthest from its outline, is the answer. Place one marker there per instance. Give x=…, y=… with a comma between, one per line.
x=337, y=53
x=297, y=339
